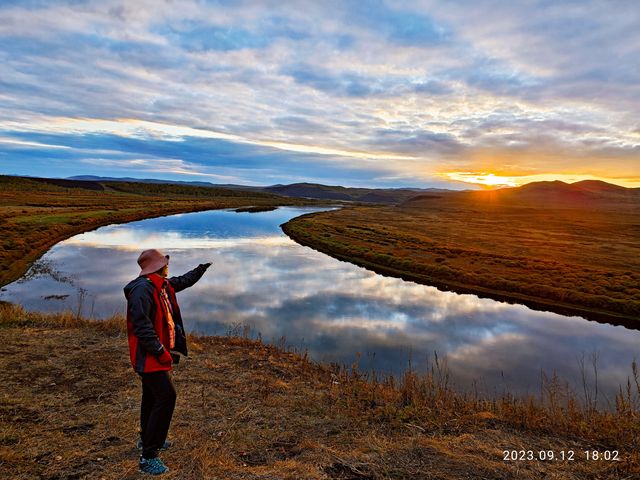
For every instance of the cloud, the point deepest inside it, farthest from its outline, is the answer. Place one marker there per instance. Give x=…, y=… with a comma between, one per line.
x=158, y=165
x=168, y=154
x=407, y=27
x=403, y=89
x=347, y=84
x=412, y=141
x=356, y=85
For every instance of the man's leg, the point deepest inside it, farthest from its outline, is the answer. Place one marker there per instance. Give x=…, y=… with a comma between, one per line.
x=145, y=408
x=159, y=384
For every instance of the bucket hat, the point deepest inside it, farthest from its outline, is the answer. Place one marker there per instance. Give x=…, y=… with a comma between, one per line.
x=151, y=261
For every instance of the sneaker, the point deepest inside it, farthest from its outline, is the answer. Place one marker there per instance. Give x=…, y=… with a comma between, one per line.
x=167, y=444
x=153, y=466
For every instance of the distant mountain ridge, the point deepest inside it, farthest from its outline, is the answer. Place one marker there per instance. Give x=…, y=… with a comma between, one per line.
x=600, y=186
x=95, y=178
x=582, y=193
x=298, y=190
x=336, y=192
x=557, y=193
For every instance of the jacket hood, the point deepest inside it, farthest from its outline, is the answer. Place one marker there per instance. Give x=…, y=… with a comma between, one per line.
x=134, y=283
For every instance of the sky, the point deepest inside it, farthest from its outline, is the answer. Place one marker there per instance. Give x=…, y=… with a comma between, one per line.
x=407, y=93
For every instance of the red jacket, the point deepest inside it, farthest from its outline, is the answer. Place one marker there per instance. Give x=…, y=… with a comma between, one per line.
x=147, y=326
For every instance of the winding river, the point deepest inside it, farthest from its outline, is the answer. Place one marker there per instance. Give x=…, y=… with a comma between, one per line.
x=337, y=311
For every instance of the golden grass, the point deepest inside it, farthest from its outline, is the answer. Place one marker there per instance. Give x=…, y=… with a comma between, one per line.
x=247, y=410
x=572, y=261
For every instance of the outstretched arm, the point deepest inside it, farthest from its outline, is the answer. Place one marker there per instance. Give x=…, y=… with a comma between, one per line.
x=189, y=278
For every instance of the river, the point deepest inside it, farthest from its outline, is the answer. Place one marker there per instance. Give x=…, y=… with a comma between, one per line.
x=336, y=311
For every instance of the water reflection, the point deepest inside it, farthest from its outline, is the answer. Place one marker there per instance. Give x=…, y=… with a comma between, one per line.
x=334, y=309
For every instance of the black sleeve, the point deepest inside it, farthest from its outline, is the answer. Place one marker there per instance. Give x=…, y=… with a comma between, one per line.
x=189, y=278
x=142, y=309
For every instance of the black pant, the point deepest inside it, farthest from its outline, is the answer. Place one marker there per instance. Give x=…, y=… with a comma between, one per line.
x=156, y=410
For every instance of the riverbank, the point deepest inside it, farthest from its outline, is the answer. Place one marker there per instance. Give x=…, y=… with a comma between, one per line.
x=35, y=215
x=583, y=262
x=247, y=410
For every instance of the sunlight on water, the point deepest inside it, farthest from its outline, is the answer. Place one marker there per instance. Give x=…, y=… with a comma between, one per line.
x=334, y=309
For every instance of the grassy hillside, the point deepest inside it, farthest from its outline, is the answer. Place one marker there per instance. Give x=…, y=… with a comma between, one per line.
x=333, y=192
x=587, y=194
x=582, y=258
x=35, y=214
x=70, y=403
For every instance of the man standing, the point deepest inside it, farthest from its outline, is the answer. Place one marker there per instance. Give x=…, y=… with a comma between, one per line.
x=155, y=332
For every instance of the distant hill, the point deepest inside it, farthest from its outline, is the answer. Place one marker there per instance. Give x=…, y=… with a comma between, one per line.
x=571, y=194
x=333, y=192
x=598, y=186
x=298, y=190
x=68, y=183
x=554, y=193
x=96, y=178
x=140, y=188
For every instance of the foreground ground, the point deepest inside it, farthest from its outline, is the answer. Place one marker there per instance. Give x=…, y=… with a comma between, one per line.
x=579, y=261
x=69, y=406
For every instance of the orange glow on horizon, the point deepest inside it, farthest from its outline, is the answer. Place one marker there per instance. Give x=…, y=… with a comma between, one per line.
x=491, y=180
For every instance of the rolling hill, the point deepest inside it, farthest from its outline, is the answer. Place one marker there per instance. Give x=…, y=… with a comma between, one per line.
x=296, y=190
x=584, y=194
x=329, y=192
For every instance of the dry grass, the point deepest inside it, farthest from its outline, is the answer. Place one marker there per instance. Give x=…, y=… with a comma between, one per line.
x=247, y=410
x=574, y=261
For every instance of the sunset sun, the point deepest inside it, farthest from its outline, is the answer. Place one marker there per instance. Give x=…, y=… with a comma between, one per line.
x=488, y=180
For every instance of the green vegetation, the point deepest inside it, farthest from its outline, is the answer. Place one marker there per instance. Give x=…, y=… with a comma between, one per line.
x=571, y=260
x=248, y=410
x=35, y=214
